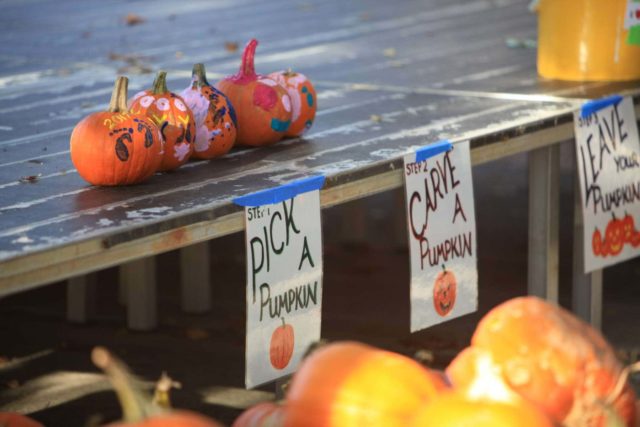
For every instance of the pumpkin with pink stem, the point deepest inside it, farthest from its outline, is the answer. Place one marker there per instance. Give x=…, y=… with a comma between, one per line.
x=262, y=105
x=216, y=125
x=175, y=120
x=303, y=100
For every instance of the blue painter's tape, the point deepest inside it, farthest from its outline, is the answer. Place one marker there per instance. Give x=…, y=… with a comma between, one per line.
x=598, y=104
x=432, y=150
x=283, y=192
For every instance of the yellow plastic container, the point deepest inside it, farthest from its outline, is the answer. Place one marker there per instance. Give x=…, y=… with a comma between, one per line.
x=584, y=40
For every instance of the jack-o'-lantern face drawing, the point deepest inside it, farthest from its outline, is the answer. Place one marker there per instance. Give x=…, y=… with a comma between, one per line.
x=614, y=236
x=628, y=228
x=444, y=292
x=597, y=245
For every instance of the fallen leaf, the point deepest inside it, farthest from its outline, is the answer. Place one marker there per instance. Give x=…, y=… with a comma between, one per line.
x=375, y=118
x=30, y=179
x=35, y=161
x=133, y=19
x=196, y=334
x=231, y=46
x=389, y=52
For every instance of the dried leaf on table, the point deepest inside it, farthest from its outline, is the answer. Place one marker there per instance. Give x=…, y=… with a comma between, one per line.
x=389, y=52
x=375, y=118
x=231, y=46
x=133, y=19
x=30, y=179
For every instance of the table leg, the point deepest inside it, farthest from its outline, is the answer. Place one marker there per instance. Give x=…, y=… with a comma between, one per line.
x=586, y=288
x=544, y=183
x=81, y=297
x=195, y=278
x=139, y=279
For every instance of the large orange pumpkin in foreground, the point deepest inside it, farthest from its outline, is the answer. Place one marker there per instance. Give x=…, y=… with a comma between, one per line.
x=348, y=384
x=175, y=121
x=216, y=123
x=13, y=419
x=265, y=414
x=116, y=147
x=530, y=348
x=263, y=106
x=456, y=410
x=138, y=409
x=304, y=101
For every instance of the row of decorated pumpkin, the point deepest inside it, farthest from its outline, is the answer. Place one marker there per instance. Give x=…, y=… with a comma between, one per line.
x=160, y=130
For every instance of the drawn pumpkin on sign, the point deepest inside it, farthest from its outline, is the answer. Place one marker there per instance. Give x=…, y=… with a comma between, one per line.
x=170, y=113
x=597, y=245
x=263, y=106
x=614, y=236
x=303, y=100
x=628, y=228
x=444, y=291
x=216, y=123
x=281, y=347
x=115, y=147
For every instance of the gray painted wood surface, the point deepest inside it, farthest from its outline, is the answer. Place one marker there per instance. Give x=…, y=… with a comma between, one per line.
x=429, y=69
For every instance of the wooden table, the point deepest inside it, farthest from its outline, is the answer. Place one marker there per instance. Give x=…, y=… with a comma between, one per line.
x=390, y=76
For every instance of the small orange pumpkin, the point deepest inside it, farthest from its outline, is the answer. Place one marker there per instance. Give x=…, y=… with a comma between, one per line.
x=216, y=123
x=175, y=120
x=352, y=384
x=597, y=245
x=265, y=414
x=614, y=236
x=281, y=346
x=137, y=407
x=543, y=353
x=116, y=147
x=304, y=101
x=262, y=105
x=453, y=409
x=444, y=292
x=13, y=419
x=628, y=227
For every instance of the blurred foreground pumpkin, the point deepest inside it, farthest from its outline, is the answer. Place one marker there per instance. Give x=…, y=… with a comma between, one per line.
x=348, y=384
x=138, y=409
x=13, y=419
x=266, y=414
x=530, y=348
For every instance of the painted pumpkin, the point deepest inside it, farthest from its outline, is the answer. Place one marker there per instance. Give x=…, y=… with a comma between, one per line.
x=262, y=105
x=597, y=245
x=304, y=102
x=172, y=116
x=116, y=147
x=137, y=407
x=614, y=236
x=536, y=350
x=281, y=347
x=444, y=292
x=348, y=384
x=216, y=123
x=266, y=414
x=455, y=410
x=628, y=228
x=13, y=419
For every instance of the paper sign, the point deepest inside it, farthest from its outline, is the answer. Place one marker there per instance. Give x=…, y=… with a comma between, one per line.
x=442, y=235
x=284, y=278
x=608, y=153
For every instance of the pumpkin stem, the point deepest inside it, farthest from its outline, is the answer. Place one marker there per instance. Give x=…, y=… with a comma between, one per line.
x=160, y=83
x=247, y=67
x=199, y=76
x=118, y=103
x=283, y=324
x=136, y=405
x=164, y=385
x=444, y=270
x=622, y=382
x=289, y=72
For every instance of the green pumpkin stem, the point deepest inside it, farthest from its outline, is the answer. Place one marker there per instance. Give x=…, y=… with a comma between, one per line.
x=160, y=83
x=247, y=67
x=444, y=270
x=199, y=75
x=118, y=103
x=283, y=324
x=136, y=404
